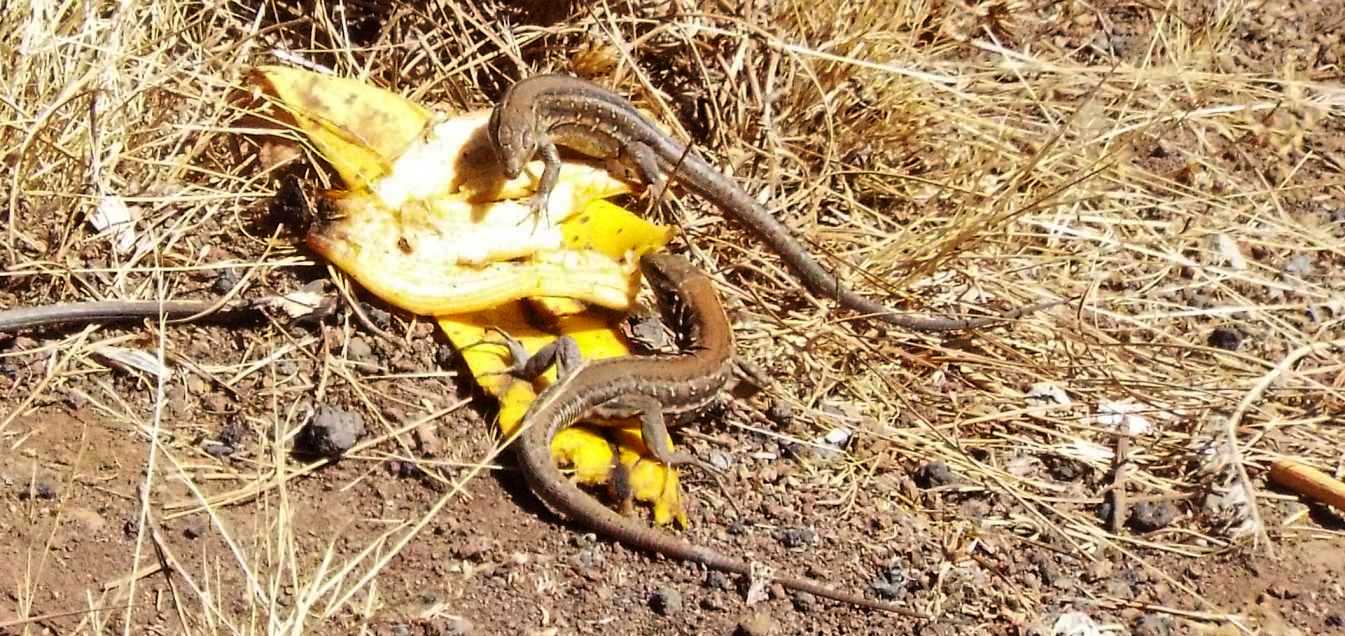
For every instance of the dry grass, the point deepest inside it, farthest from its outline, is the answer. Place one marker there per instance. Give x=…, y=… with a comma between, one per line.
x=963, y=157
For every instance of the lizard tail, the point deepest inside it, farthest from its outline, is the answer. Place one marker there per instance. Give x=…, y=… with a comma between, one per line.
x=561, y=495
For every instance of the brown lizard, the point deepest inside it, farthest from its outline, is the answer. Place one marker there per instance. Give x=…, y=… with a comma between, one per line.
x=650, y=386
x=539, y=113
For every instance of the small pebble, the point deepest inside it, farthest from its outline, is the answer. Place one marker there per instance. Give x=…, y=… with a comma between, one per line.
x=225, y=281
x=837, y=437
x=1226, y=338
x=232, y=433
x=1065, y=469
x=666, y=601
x=73, y=399
x=803, y=601
x=1022, y=465
x=1118, y=588
x=758, y=623
x=331, y=432
x=427, y=440
x=778, y=512
x=820, y=452
x=1075, y=624
x=37, y=490
x=197, y=386
x=217, y=403
x=647, y=332
x=585, y=540
x=178, y=400
x=935, y=474
x=1048, y=569
x=712, y=603
x=590, y=564
x=402, y=469
x=1281, y=590
x=891, y=583
x=360, y=351
x=216, y=449
x=779, y=413
x=1152, y=515
x=714, y=579
x=1067, y=584
x=1198, y=300
x=797, y=537
x=377, y=316
x=1099, y=570
x=1106, y=510
x=445, y=356
x=1299, y=266
x=1047, y=393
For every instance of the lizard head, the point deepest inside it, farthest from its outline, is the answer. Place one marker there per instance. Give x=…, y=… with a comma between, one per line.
x=512, y=137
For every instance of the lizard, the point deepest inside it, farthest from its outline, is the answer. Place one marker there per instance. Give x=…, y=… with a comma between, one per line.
x=650, y=386
x=538, y=113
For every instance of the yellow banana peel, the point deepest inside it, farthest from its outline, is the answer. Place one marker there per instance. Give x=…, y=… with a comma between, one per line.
x=429, y=224
x=434, y=260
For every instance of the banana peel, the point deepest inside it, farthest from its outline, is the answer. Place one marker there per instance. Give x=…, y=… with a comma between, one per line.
x=429, y=224
x=434, y=260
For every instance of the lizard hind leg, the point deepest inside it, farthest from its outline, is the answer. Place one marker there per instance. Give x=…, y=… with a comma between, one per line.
x=647, y=164
x=654, y=432
x=619, y=487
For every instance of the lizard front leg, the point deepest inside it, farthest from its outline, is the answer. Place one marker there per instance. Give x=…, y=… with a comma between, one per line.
x=550, y=174
x=563, y=352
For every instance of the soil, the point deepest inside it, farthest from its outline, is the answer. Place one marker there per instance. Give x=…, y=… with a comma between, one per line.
x=495, y=562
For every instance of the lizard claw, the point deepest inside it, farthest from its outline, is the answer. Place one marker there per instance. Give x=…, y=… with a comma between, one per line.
x=518, y=356
x=539, y=206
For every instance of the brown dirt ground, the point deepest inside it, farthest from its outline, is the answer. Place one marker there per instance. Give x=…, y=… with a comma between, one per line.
x=970, y=547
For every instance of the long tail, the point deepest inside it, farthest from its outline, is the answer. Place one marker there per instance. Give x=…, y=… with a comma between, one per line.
x=556, y=491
